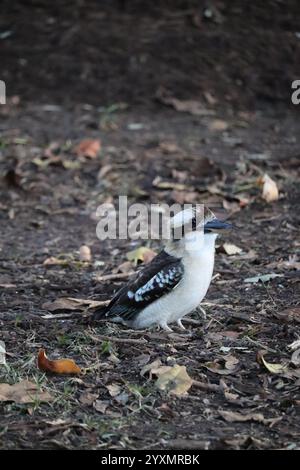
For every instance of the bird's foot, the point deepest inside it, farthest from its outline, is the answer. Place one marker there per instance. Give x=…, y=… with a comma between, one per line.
x=180, y=325
x=165, y=327
x=201, y=309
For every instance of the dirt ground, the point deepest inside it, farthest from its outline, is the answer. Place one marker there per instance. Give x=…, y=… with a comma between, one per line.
x=191, y=103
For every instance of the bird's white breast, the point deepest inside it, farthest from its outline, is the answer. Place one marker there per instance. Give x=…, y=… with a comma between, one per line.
x=187, y=295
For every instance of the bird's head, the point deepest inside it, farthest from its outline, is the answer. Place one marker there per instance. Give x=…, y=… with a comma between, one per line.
x=196, y=219
x=195, y=225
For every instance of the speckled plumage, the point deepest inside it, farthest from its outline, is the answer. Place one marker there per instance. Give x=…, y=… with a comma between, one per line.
x=172, y=285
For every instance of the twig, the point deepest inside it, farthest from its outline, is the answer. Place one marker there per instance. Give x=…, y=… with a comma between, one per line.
x=61, y=316
x=211, y=304
x=260, y=345
x=100, y=338
x=207, y=387
x=114, y=277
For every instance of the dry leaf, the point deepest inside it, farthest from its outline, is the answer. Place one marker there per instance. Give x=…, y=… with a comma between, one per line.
x=225, y=366
x=176, y=380
x=155, y=368
x=85, y=253
x=180, y=175
x=88, y=148
x=71, y=164
x=57, y=422
x=52, y=261
x=169, y=147
x=184, y=197
x=59, y=366
x=142, y=253
x=88, y=398
x=160, y=184
x=218, y=125
x=184, y=106
x=100, y=406
x=125, y=267
x=231, y=362
x=23, y=392
x=273, y=368
x=289, y=315
x=148, y=367
x=231, y=249
x=262, y=278
x=208, y=96
x=295, y=359
x=114, y=389
x=234, y=417
x=270, y=190
x=291, y=263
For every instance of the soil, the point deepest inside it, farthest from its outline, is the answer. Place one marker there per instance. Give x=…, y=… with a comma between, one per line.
x=120, y=72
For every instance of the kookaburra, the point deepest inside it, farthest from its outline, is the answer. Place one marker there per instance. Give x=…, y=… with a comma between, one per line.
x=175, y=282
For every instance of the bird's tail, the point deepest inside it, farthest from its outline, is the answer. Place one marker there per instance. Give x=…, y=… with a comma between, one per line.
x=99, y=312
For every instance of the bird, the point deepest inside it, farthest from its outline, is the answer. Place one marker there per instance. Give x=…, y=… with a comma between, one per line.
x=175, y=282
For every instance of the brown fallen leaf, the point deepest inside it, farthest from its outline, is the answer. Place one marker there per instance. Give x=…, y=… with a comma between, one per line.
x=235, y=417
x=125, y=267
x=184, y=197
x=88, y=398
x=291, y=263
x=160, y=184
x=231, y=207
x=169, y=147
x=273, y=368
x=225, y=366
x=289, y=315
x=23, y=392
x=270, y=191
x=142, y=253
x=218, y=125
x=180, y=175
x=59, y=366
x=85, y=253
x=88, y=148
x=113, y=389
x=231, y=362
x=100, y=406
x=231, y=249
x=53, y=261
x=211, y=100
x=175, y=381
x=58, y=422
x=155, y=368
x=184, y=106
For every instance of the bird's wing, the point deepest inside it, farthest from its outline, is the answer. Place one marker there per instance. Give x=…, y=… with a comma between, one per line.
x=157, y=279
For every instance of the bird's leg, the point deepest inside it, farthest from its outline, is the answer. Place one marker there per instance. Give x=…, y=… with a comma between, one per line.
x=165, y=327
x=202, y=311
x=180, y=324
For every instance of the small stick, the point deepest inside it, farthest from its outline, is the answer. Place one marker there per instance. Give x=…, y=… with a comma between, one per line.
x=207, y=387
x=100, y=338
x=114, y=277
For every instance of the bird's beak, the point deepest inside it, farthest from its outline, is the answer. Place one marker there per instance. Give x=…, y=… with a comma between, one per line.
x=215, y=225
